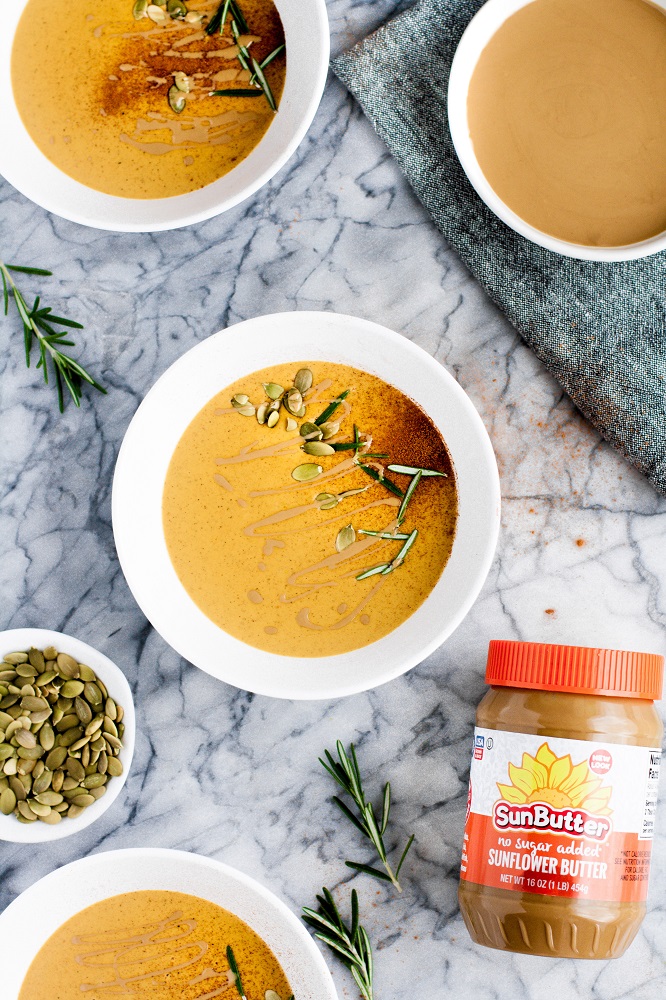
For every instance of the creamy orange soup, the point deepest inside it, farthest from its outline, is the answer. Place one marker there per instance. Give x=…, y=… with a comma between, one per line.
x=92, y=86
x=273, y=557
x=158, y=945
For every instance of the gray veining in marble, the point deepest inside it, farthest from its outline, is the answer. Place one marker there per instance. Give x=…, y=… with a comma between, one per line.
x=582, y=553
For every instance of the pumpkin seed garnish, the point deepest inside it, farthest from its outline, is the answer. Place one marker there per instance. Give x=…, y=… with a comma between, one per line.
x=261, y=413
x=139, y=9
x=247, y=411
x=303, y=473
x=317, y=448
x=329, y=429
x=240, y=399
x=326, y=501
x=157, y=14
x=293, y=401
x=346, y=537
x=273, y=390
x=311, y=432
x=48, y=768
x=176, y=98
x=303, y=379
x=273, y=418
x=177, y=9
x=182, y=81
x=291, y=424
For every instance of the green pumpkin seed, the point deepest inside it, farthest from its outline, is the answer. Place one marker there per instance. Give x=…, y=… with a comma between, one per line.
x=30, y=753
x=83, y=801
x=15, y=658
x=46, y=678
x=67, y=666
x=346, y=537
x=293, y=402
x=33, y=704
x=177, y=99
x=26, y=670
x=139, y=9
x=240, y=399
x=94, y=780
x=93, y=694
x=42, y=783
x=26, y=739
x=115, y=767
x=329, y=429
x=303, y=380
x=261, y=413
x=71, y=736
x=273, y=391
x=52, y=818
x=5, y=720
x=36, y=658
x=110, y=709
x=70, y=689
x=39, y=808
x=56, y=758
x=10, y=766
x=272, y=418
x=93, y=726
x=83, y=710
x=291, y=424
x=318, y=448
x=7, y=802
x=49, y=798
x=98, y=793
x=6, y=751
x=304, y=473
x=86, y=674
x=18, y=788
x=57, y=780
x=27, y=812
x=326, y=501
x=50, y=653
x=67, y=722
x=310, y=431
x=176, y=8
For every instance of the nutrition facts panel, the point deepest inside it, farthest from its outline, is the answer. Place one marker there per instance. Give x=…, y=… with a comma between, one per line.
x=651, y=792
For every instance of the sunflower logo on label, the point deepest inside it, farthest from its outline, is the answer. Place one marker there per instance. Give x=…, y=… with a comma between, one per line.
x=551, y=793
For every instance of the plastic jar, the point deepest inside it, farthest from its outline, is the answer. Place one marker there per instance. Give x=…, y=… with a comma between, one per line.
x=562, y=797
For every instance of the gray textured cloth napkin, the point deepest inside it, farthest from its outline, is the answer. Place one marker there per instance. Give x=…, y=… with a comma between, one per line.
x=600, y=329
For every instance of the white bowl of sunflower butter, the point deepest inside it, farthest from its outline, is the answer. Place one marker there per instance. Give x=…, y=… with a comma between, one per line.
x=306, y=505
x=136, y=117
x=67, y=724
x=557, y=111
x=160, y=922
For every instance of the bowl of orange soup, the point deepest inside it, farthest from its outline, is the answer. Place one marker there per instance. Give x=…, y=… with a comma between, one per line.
x=306, y=505
x=162, y=923
x=137, y=116
x=557, y=111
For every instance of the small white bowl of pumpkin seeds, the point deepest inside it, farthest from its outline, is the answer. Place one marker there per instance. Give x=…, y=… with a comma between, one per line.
x=67, y=730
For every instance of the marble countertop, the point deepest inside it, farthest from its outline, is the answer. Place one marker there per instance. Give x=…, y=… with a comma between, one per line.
x=581, y=558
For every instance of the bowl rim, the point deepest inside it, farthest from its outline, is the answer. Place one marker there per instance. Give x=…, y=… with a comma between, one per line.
x=18, y=914
x=476, y=36
x=176, y=398
x=28, y=170
x=11, y=831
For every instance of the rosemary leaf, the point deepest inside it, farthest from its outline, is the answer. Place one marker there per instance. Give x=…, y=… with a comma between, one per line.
x=236, y=93
x=369, y=471
x=350, y=944
x=368, y=870
x=331, y=408
x=411, y=489
x=398, y=537
x=233, y=965
x=373, y=571
x=409, y=470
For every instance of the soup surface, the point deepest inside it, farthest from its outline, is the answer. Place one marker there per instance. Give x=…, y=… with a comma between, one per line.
x=567, y=114
x=276, y=561
x=92, y=86
x=156, y=944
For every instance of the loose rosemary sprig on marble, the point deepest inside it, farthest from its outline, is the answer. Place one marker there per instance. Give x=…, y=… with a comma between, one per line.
x=346, y=772
x=350, y=944
x=39, y=322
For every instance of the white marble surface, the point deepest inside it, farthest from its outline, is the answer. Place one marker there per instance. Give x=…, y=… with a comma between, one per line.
x=582, y=554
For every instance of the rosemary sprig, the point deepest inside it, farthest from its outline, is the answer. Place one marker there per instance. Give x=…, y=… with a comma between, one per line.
x=236, y=93
x=351, y=945
x=408, y=495
x=386, y=568
x=345, y=771
x=369, y=471
x=219, y=18
x=233, y=965
x=239, y=26
x=373, y=571
x=40, y=323
x=331, y=408
x=410, y=470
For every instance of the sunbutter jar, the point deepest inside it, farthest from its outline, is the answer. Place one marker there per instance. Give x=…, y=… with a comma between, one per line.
x=562, y=800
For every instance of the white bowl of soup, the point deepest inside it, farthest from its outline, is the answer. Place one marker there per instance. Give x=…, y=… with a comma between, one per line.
x=75, y=752
x=557, y=111
x=107, y=118
x=158, y=921
x=306, y=505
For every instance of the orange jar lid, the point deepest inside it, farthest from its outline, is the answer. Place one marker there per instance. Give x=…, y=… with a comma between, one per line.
x=575, y=669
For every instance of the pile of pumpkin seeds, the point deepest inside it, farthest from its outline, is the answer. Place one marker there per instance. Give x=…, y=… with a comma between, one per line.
x=60, y=736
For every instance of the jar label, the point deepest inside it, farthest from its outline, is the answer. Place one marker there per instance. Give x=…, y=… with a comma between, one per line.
x=560, y=817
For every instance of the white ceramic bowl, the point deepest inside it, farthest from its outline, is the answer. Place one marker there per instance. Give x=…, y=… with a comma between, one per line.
x=176, y=399
x=25, y=166
x=67, y=891
x=478, y=33
x=119, y=689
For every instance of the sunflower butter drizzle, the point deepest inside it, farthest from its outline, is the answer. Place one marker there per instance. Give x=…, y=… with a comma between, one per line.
x=99, y=948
